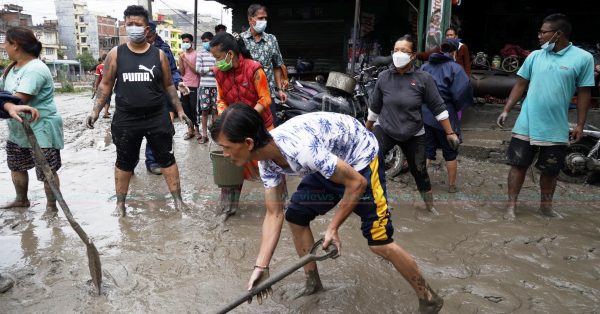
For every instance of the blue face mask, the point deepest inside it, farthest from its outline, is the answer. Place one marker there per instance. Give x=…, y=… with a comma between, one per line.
x=260, y=26
x=186, y=46
x=206, y=46
x=549, y=46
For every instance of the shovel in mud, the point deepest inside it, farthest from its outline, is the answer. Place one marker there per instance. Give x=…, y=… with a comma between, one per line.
x=92, y=252
x=330, y=252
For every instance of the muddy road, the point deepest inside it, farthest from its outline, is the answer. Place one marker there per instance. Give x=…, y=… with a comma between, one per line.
x=162, y=261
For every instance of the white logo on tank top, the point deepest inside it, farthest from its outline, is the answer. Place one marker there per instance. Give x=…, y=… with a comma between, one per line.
x=139, y=76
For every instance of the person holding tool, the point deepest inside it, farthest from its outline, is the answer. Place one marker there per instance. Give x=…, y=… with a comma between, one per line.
x=339, y=159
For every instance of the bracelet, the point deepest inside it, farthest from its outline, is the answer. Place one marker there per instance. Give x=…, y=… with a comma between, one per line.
x=261, y=267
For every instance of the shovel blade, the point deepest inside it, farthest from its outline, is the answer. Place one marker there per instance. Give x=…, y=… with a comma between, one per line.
x=95, y=266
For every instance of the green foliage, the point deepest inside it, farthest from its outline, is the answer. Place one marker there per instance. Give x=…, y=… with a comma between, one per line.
x=87, y=61
x=61, y=54
x=66, y=85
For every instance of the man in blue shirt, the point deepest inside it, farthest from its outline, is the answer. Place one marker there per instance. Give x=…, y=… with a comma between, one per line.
x=153, y=39
x=552, y=75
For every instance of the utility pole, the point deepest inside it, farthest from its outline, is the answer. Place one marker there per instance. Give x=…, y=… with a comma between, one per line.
x=147, y=4
x=195, y=24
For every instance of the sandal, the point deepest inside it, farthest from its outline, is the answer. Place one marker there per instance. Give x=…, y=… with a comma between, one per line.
x=203, y=140
x=188, y=136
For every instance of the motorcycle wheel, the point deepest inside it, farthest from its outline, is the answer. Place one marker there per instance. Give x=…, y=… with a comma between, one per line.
x=394, y=161
x=570, y=176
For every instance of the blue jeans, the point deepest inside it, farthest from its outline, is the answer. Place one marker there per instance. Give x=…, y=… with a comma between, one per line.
x=150, y=160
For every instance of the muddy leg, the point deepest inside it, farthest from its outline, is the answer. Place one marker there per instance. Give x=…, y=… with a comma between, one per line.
x=303, y=241
x=428, y=199
x=20, y=180
x=171, y=175
x=547, y=188
x=122, y=179
x=230, y=199
x=516, y=177
x=51, y=209
x=429, y=301
x=452, y=166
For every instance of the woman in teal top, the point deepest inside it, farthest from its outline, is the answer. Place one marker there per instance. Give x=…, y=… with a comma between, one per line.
x=29, y=79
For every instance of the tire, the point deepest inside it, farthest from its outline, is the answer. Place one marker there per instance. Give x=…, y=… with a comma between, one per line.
x=566, y=175
x=394, y=160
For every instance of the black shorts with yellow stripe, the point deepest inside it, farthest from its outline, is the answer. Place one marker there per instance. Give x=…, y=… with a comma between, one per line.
x=317, y=195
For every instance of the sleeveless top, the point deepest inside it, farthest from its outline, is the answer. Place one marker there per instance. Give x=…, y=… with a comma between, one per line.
x=139, y=87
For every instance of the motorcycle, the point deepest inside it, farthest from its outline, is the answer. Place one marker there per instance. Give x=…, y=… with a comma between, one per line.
x=341, y=94
x=582, y=163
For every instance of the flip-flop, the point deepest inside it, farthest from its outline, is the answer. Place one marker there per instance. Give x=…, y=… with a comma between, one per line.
x=188, y=136
x=203, y=140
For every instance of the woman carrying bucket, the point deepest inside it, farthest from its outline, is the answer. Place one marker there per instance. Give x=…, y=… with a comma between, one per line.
x=240, y=80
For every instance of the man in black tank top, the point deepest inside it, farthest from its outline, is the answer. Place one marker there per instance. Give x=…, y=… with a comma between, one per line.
x=143, y=81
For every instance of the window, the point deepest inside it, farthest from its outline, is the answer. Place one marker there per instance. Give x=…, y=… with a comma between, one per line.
x=49, y=51
x=3, y=54
x=82, y=29
x=83, y=40
x=83, y=50
x=81, y=18
x=2, y=39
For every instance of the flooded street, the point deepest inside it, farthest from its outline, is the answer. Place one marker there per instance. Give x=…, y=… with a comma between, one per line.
x=162, y=261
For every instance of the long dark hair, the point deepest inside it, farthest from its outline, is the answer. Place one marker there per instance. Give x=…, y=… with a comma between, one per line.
x=239, y=122
x=225, y=42
x=26, y=40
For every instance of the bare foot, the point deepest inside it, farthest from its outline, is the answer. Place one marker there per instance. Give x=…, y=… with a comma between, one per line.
x=549, y=212
x=50, y=213
x=313, y=284
x=510, y=213
x=181, y=206
x=16, y=203
x=120, y=211
x=433, y=211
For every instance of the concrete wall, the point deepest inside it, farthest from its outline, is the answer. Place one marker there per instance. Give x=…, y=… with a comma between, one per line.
x=66, y=27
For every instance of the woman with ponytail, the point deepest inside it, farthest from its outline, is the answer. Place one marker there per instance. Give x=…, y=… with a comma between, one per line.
x=240, y=80
x=30, y=80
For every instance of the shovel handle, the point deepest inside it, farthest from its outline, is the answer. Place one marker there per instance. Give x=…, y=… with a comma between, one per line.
x=310, y=257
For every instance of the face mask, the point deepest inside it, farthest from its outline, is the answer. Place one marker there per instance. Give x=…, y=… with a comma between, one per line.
x=206, y=46
x=260, y=26
x=400, y=59
x=186, y=46
x=549, y=46
x=223, y=65
x=136, y=34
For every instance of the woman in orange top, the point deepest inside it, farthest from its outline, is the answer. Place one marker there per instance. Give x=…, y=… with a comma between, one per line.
x=240, y=80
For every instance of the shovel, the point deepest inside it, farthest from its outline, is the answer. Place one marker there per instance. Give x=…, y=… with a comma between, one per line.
x=92, y=252
x=330, y=252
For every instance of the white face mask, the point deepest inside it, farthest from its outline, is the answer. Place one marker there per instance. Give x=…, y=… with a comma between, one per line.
x=260, y=26
x=186, y=46
x=136, y=34
x=400, y=59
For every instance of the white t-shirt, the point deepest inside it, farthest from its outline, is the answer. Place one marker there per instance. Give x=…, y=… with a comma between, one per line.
x=313, y=142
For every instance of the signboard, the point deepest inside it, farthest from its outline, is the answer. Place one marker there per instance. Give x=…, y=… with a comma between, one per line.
x=438, y=15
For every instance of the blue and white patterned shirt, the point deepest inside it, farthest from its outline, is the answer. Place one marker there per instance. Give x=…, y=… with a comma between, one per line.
x=313, y=142
x=266, y=51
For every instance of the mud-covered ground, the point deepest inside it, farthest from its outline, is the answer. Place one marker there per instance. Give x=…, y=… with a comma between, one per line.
x=159, y=260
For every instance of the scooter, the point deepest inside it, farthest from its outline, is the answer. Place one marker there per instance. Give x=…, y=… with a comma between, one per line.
x=342, y=95
x=582, y=163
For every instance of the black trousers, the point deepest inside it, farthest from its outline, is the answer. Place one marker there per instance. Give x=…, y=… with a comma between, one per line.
x=189, y=103
x=414, y=150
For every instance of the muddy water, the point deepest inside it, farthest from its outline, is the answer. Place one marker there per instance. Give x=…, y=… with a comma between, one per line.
x=159, y=260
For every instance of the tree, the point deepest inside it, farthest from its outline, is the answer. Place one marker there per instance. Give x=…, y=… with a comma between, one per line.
x=88, y=62
x=60, y=54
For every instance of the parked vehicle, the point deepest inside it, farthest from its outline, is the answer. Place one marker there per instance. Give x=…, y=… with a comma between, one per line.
x=582, y=163
x=342, y=94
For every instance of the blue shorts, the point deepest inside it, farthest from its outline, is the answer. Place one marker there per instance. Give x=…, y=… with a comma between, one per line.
x=436, y=138
x=316, y=195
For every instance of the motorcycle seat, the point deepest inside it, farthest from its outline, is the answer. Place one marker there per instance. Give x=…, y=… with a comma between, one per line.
x=300, y=104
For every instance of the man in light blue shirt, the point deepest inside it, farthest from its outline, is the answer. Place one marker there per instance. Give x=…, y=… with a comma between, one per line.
x=552, y=75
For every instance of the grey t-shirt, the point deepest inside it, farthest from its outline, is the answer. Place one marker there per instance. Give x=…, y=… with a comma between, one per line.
x=397, y=99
